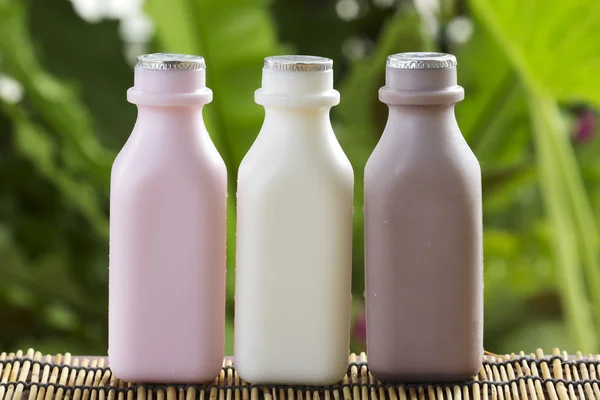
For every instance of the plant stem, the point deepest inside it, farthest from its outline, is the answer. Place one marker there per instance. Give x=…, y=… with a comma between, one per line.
x=570, y=284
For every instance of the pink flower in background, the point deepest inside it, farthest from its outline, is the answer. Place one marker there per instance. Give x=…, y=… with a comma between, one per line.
x=585, y=126
x=359, y=330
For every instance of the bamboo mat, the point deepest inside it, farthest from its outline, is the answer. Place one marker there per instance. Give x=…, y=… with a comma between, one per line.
x=33, y=376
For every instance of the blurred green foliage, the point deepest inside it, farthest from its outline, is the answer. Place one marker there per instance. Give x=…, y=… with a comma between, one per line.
x=529, y=69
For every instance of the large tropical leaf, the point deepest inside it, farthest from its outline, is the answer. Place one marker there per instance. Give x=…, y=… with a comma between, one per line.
x=69, y=156
x=494, y=119
x=36, y=144
x=56, y=103
x=306, y=22
x=90, y=56
x=233, y=37
x=549, y=45
x=494, y=104
x=362, y=116
x=550, y=142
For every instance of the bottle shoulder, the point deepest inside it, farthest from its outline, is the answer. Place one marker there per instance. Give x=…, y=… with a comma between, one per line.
x=296, y=177
x=195, y=161
x=278, y=157
x=422, y=161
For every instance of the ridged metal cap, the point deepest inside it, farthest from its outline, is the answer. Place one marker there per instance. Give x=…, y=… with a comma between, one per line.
x=298, y=63
x=171, y=62
x=421, y=60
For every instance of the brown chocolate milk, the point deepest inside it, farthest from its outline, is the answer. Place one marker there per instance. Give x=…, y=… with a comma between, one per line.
x=423, y=230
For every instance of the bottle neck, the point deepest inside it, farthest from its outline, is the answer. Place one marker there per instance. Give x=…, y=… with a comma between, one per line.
x=431, y=118
x=297, y=120
x=170, y=119
x=169, y=88
x=297, y=90
x=424, y=87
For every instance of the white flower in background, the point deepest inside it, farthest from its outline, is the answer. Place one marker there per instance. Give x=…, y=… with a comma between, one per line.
x=347, y=10
x=429, y=11
x=119, y=9
x=89, y=10
x=135, y=27
x=11, y=90
x=96, y=10
x=460, y=30
x=355, y=48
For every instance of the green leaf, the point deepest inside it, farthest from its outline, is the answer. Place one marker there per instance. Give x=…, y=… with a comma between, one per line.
x=362, y=116
x=234, y=38
x=61, y=317
x=544, y=334
x=36, y=144
x=359, y=89
x=549, y=134
x=47, y=277
x=525, y=32
x=494, y=104
x=517, y=267
x=293, y=17
x=56, y=103
x=505, y=188
x=91, y=58
x=550, y=43
x=19, y=296
x=229, y=332
x=494, y=119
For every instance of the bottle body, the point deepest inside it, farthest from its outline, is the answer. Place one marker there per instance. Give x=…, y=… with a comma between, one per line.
x=423, y=246
x=294, y=239
x=167, y=250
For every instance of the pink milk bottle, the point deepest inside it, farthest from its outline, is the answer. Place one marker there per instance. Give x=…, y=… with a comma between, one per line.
x=167, y=231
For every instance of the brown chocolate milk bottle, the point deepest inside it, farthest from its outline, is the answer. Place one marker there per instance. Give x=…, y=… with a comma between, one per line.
x=423, y=230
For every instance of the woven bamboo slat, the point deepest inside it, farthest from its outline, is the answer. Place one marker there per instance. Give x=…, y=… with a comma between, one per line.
x=32, y=376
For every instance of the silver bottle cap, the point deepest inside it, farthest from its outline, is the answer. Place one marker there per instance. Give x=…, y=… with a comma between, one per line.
x=171, y=62
x=421, y=60
x=298, y=63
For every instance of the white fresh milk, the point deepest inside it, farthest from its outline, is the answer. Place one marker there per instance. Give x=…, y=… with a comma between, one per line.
x=294, y=233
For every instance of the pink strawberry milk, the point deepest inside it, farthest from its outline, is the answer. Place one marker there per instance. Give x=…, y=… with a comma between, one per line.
x=167, y=231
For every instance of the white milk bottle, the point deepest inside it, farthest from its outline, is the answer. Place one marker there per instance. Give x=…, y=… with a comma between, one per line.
x=294, y=233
